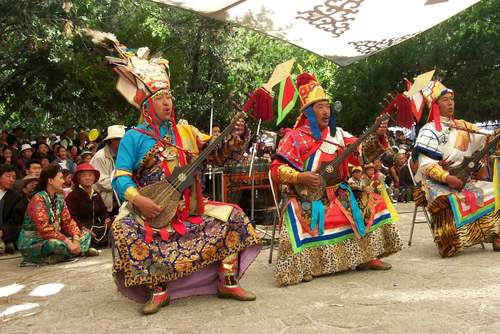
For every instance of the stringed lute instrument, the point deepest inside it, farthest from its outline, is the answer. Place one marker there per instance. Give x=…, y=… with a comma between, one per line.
x=329, y=171
x=472, y=164
x=167, y=192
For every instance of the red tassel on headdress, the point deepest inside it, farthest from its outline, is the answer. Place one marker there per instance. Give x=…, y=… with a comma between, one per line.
x=435, y=115
x=404, y=114
x=261, y=103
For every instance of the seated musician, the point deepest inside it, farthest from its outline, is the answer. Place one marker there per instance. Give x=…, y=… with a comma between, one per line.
x=462, y=214
x=208, y=246
x=335, y=232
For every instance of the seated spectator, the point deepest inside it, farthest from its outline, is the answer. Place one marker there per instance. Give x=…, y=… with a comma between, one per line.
x=371, y=183
x=54, y=147
x=52, y=139
x=68, y=182
x=402, y=185
x=356, y=181
x=63, y=160
x=49, y=234
x=73, y=154
x=43, y=151
x=86, y=205
x=85, y=157
x=26, y=154
x=93, y=147
x=9, y=230
x=82, y=139
x=380, y=170
x=400, y=138
x=7, y=158
x=44, y=162
x=33, y=168
x=27, y=190
x=67, y=138
x=104, y=161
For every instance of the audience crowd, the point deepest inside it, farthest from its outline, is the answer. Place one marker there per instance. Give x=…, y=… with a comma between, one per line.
x=56, y=199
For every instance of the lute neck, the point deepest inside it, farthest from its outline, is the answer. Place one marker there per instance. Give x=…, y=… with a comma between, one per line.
x=349, y=149
x=192, y=167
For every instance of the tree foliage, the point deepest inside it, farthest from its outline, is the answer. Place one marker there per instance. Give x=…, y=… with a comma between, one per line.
x=50, y=76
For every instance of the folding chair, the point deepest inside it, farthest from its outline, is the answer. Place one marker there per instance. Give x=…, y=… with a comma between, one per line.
x=420, y=202
x=277, y=214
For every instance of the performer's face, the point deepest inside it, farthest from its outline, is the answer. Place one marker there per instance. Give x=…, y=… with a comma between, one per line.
x=322, y=112
x=446, y=105
x=163, y=106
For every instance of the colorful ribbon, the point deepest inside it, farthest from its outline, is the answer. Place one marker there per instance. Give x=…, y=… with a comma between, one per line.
x=355, y=210
x=318, y=216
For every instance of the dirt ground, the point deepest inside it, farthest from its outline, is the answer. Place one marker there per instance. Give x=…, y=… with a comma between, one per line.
x=423, y=293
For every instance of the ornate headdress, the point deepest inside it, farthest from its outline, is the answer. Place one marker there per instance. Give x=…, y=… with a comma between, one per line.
x=310, y=92
x=140, y=75
x=432, y=93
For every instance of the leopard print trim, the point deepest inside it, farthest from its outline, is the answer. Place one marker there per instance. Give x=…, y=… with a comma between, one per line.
x=324, y=260
x=122, y=264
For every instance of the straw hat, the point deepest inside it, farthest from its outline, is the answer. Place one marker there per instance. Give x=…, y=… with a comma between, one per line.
x=115, y=131
x=25, y=147
x=29, y=178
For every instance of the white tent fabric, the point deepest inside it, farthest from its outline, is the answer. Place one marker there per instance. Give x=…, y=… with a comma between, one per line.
x=341, y=30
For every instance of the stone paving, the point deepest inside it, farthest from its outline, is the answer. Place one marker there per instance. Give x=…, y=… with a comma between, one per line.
x=423, y=293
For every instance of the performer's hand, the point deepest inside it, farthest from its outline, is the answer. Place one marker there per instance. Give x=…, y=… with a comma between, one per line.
x=445, y=163
x=382, y=129
x=239, y=127
x=454, y=182
x=309, y=179
x=147, y=206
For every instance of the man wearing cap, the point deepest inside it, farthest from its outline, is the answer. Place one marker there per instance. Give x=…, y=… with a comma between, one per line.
x=335, y=232
x=86, y=205
x=104, y=162
x=26, y=153
x=462, y=214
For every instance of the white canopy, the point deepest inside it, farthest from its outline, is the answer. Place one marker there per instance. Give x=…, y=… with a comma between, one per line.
x=341, y=30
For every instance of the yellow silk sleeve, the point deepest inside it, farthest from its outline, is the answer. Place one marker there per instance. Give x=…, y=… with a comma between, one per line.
x=287, y=174
x=437, y=172
x=131, y=193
